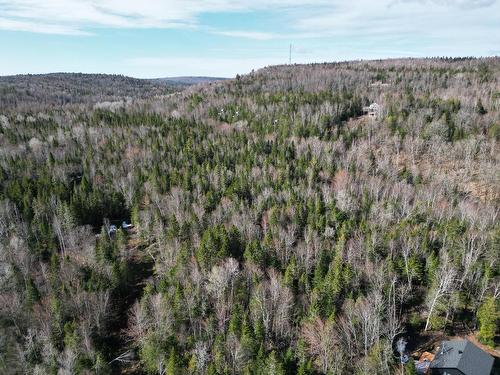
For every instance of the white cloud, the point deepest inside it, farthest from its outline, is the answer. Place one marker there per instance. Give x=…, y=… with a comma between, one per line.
x=82, y=14
x=397, y=20
x=257, y=35
x=15, y=25
x=300, y=19
x=464, y=4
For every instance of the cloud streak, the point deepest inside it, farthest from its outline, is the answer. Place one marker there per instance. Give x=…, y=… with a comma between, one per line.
x=463, y=4
x=78, y=15
x=33, y=27
x=306, y=19
x=256, y=35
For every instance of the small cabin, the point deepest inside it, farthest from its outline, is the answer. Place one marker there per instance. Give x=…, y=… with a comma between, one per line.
x=372, y=110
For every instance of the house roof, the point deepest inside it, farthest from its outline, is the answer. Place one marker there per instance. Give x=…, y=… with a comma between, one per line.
x=464, y=356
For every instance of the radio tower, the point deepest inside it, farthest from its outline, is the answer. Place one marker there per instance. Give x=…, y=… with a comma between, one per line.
x=290, y=56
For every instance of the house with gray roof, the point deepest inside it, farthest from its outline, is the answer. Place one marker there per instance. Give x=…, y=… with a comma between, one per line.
x=461, y=357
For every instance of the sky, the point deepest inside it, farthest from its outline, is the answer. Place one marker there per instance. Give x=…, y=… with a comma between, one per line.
x=222, y=38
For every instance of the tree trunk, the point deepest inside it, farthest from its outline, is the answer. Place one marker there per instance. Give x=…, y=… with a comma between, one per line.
x=438, y=293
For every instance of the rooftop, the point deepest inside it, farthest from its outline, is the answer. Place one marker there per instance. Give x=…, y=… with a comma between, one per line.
x=464, y=356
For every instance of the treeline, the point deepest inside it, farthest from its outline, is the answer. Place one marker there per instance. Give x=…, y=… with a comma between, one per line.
x=277, y=229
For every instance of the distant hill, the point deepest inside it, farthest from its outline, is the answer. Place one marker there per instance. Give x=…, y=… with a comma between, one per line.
x=187, y=81
x=36, y=90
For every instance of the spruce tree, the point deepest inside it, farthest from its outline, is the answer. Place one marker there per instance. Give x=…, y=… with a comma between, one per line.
x=488, y=316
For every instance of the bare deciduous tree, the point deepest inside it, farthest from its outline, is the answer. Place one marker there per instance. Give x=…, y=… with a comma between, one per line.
x=444, y=284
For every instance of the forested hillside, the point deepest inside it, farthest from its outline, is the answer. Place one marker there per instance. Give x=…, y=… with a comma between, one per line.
x=277, y=228
x=188, y=81
x=37, y=92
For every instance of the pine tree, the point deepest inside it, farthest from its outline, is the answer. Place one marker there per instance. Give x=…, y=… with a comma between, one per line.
x=488, y=316
x=247, y=339
x=273, y=366
x=172, y=365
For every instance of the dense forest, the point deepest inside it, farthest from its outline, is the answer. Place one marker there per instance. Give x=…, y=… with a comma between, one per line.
x=37, y=92
x=277, y=227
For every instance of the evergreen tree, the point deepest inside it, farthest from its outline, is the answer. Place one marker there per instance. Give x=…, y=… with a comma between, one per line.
x=172, y=365
x=488, y=315
x=273, y=365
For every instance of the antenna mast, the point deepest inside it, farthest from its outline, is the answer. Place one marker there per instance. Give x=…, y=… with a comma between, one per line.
x=290, y=55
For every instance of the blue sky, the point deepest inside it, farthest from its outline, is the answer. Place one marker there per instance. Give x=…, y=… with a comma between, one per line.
x=159, y=38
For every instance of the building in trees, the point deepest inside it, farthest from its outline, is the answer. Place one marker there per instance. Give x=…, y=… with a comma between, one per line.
x=461, y=357
x=372, y=110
